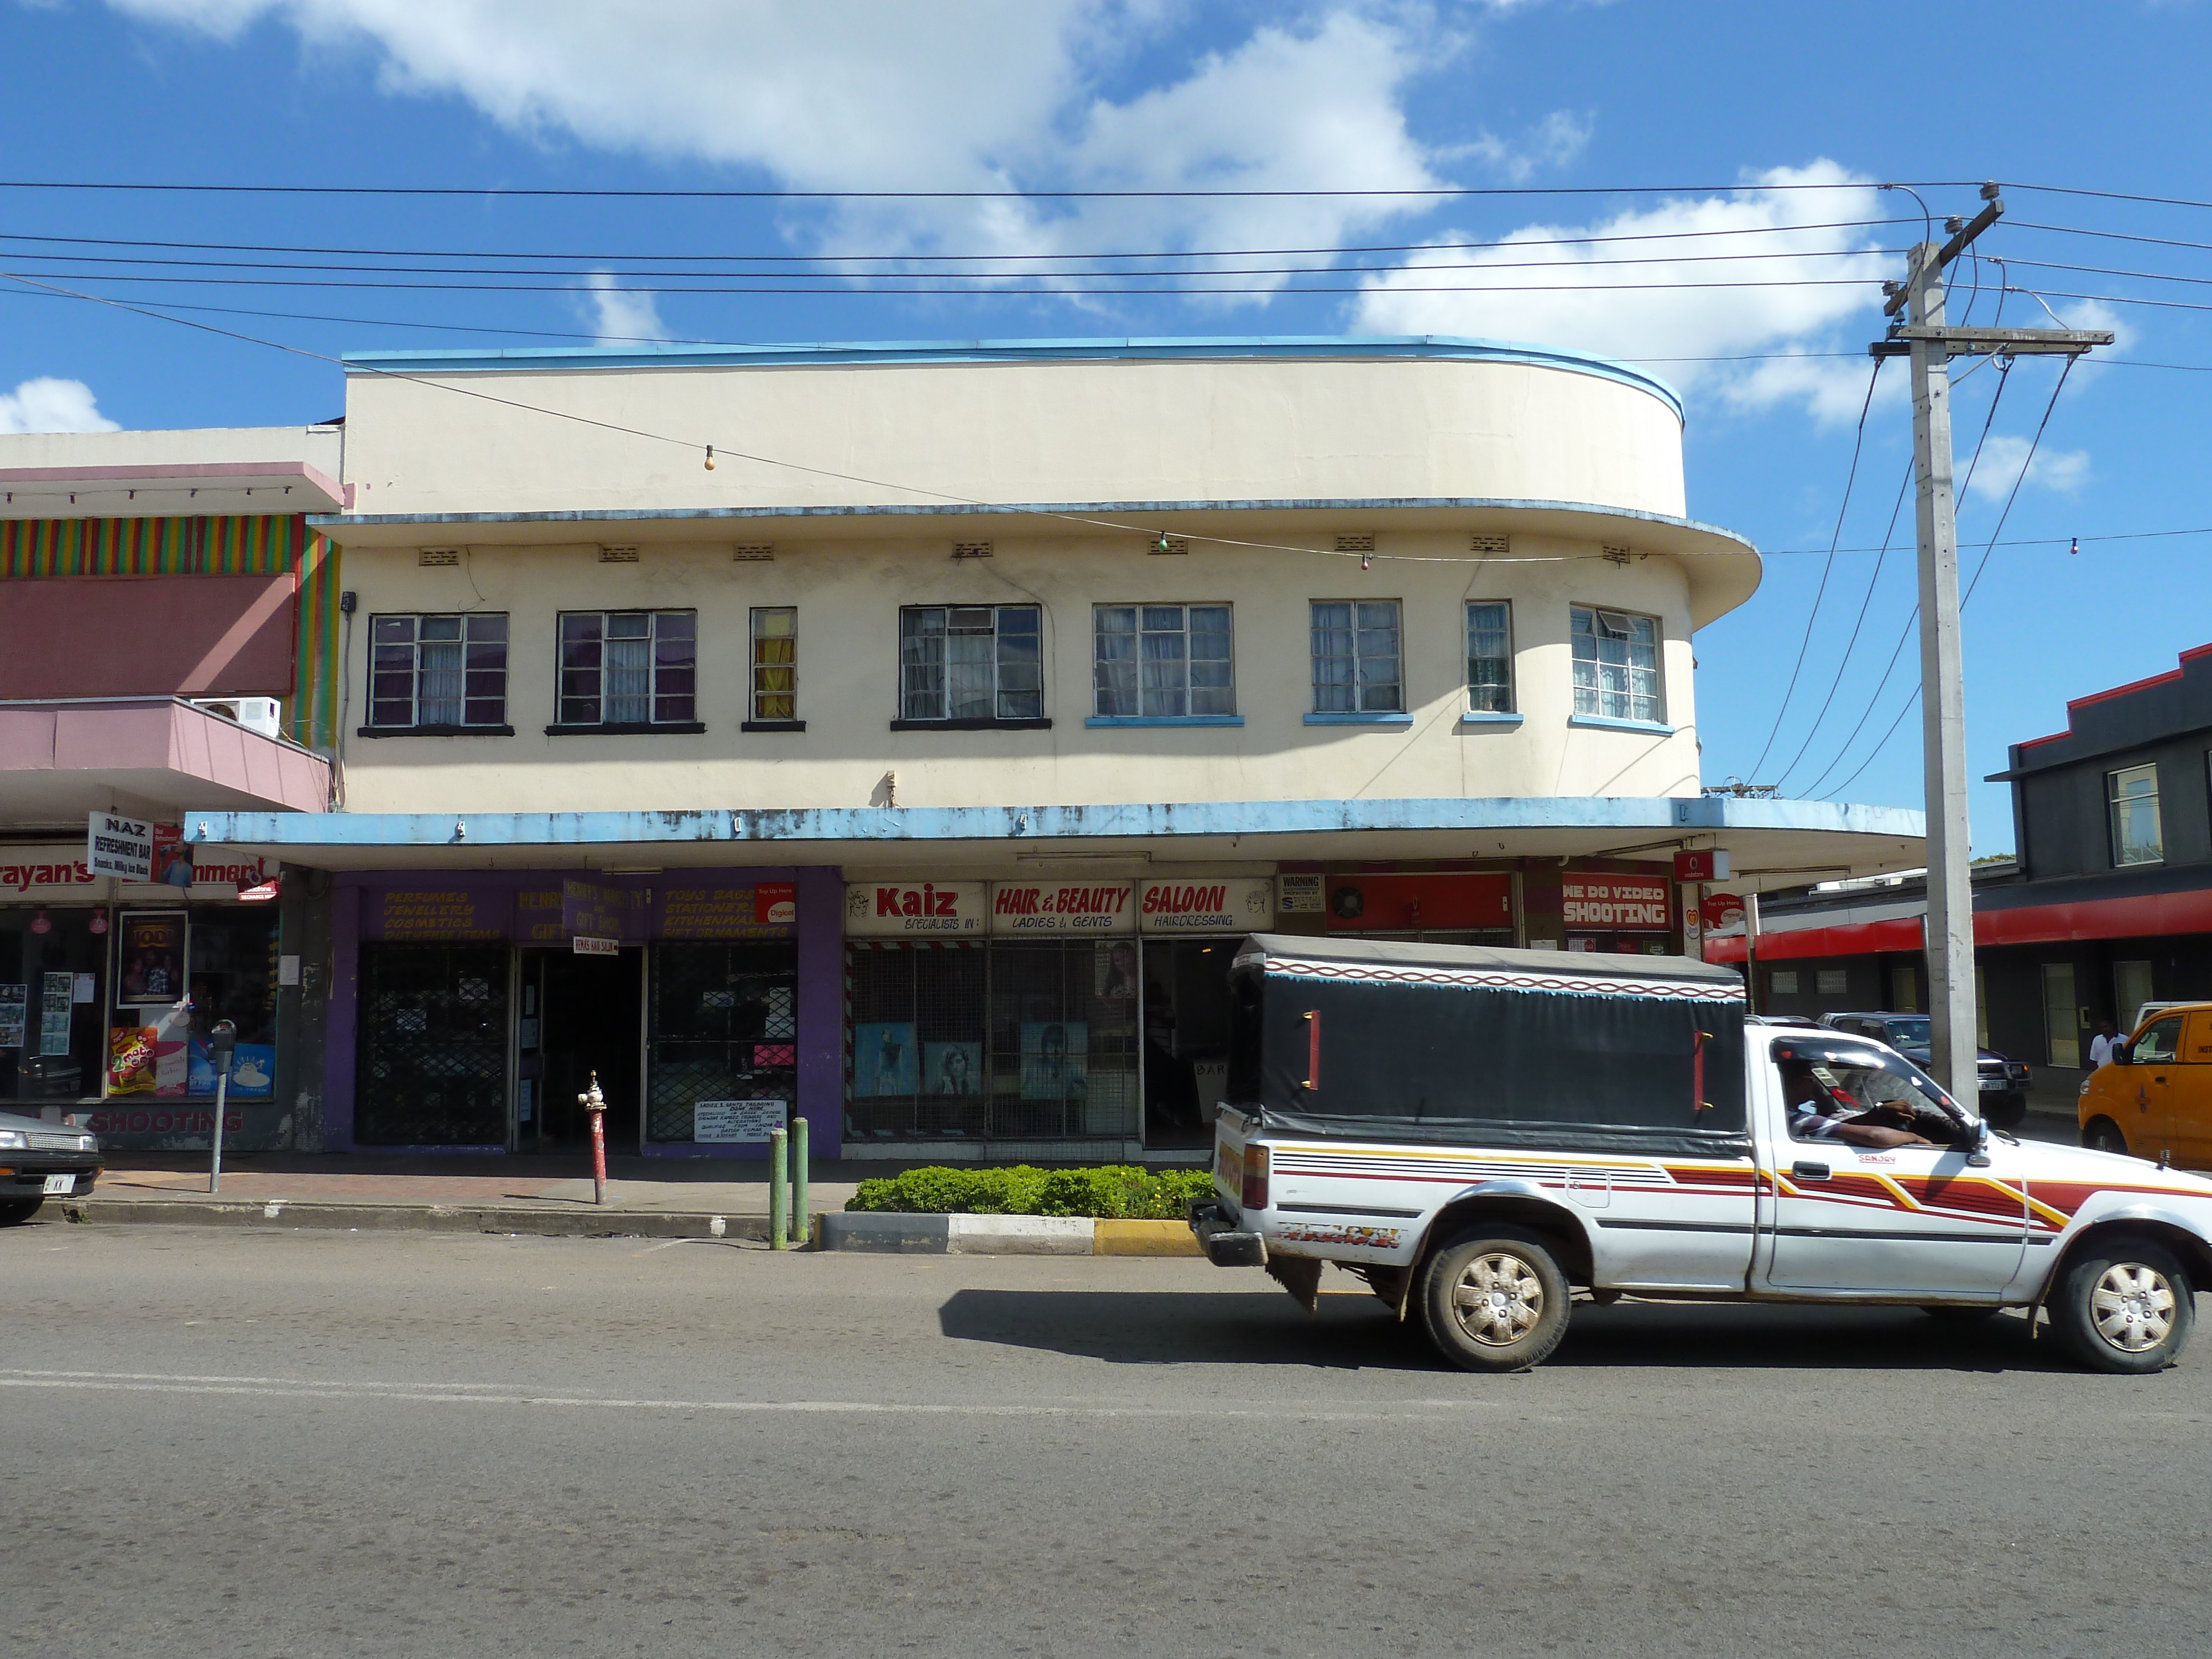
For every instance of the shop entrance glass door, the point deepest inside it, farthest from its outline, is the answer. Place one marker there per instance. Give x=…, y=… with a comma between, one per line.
x=432, y=1070
x=1185, y=1039
x=588, y=1018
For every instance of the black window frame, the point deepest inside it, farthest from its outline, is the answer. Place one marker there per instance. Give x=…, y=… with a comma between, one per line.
x=672, y=703
x=484, y=639
x=1025, y=702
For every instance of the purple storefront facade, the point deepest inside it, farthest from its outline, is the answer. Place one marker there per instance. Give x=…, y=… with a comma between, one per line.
x=467, y=1009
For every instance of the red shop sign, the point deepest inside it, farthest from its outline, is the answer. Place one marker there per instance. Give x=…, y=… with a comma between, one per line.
x=1394, y=903
x=1595, y=902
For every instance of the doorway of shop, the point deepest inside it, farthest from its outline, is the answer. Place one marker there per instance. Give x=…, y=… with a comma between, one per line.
x=580, y=1014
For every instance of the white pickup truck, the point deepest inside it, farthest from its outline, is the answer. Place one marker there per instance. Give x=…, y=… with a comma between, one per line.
x=1483, y=1133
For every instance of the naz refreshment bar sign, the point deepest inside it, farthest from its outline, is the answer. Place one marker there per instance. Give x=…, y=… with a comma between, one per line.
x=119, y=847
x=1610, y=903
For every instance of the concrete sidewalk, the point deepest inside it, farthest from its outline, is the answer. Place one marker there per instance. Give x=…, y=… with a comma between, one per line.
x=463, y=1192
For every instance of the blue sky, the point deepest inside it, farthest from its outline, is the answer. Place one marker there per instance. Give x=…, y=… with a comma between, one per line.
x=1041, y=95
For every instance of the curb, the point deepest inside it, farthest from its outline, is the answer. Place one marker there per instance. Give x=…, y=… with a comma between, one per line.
x=275, y=1213
x=887, y=1232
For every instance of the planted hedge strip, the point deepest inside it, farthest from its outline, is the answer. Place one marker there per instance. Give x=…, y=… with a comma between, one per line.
x=1121, y=1191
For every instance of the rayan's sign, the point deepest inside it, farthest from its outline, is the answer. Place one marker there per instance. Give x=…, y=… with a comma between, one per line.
x=62, y=873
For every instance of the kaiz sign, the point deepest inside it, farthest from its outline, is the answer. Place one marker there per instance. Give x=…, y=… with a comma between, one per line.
x=881, y=909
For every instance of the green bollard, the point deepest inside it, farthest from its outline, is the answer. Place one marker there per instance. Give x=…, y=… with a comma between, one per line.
x=802, y=1237
x=779, y=1196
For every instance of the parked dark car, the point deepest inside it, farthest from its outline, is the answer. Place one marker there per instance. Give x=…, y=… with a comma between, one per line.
x=2004, y=1081
x=39, y=1161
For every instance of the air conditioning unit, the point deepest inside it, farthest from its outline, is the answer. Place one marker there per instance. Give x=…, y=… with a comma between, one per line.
x=262, y=714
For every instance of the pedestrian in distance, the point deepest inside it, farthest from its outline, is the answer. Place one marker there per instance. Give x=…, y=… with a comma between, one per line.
x=2102, y=1045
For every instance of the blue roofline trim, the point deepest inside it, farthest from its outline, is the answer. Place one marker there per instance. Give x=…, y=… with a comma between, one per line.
x=1144, y=820
x=1136, y=349
x=1052, y=509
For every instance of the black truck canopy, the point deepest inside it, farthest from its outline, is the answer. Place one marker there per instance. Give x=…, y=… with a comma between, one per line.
x=1470, y=1044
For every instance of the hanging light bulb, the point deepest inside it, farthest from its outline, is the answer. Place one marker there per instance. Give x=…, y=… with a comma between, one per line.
x=1367, y=561
x=710, y=458
x=41, y=922
x=99, y=923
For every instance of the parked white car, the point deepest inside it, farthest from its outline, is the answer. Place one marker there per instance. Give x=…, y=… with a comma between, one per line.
x=1480, y=1133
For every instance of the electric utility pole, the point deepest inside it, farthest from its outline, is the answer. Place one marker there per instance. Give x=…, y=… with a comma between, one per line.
x=1932, y=345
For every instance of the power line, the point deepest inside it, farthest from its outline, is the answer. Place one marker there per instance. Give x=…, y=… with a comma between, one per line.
x=631, y=273
x=876, y=286
x=810, y=258
x=1874, y=698
x=2010, y=497
x=1858, y=441
x=1436, y=191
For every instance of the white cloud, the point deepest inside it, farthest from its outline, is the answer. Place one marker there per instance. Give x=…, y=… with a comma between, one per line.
x=1576, y=294
x=2002, y=456
x=990, y=95
x=47, y=404
x=1553, y=143
x=619, y=317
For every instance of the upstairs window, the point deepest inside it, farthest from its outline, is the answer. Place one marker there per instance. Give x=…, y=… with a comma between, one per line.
x=970, y=663
x=1489, y=657
x=2132, y=792
x=1356, y=658
x=775, y=664
x=1163, y=661
x=438, y=673
x=629, y=670
x=1617, y=666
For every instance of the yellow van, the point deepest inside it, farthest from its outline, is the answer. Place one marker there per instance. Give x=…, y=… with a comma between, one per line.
x=2155, y=1099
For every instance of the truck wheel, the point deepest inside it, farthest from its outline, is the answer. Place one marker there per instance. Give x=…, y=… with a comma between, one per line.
x=2102, y=1135
x=15, y=1209
x=2124, y=1306
x=1495, y=1300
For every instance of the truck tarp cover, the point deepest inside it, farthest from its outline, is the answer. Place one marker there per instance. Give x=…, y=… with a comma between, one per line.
x=1462, y=1044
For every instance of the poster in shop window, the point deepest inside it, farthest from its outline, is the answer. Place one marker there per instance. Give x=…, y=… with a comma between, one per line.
x=884, y=1060
x=54, y=1015
x=13, y=1000
x=150, y=959
x=1055, y=1060
x=953, y=1069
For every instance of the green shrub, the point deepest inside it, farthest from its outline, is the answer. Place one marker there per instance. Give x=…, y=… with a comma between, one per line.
x=1119, y=1190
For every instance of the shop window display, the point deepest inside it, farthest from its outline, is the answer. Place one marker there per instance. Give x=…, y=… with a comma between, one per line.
x=53, y=967
x=176, y=975
x=724, y=1028
x=999, y=1040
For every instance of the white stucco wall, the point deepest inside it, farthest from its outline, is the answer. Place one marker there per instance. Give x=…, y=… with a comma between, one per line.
x=848, y=594
x=1225, y=428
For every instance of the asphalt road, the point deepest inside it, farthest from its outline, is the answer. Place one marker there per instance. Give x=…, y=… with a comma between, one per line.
x=248, y=1443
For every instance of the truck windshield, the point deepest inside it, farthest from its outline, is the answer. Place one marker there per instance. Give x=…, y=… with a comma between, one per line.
x=1836, y=1081
x=1911, y=1031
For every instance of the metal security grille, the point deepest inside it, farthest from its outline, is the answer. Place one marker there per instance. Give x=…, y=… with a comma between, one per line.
x=1033, y=1042
x=722, y=1024
x=433, y=1066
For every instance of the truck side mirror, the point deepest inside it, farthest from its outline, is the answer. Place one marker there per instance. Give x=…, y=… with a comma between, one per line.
x=1974, y=1141
x=2123, y=1055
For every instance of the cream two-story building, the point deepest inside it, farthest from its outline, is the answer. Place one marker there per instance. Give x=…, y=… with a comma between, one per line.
x=903, y=735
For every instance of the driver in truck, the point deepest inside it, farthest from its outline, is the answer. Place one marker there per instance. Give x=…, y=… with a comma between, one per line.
x=1820, y=1112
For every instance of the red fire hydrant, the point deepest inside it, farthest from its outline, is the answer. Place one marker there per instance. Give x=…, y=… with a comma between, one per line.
x=595, y=1103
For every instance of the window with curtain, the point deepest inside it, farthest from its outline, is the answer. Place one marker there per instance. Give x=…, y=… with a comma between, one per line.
x=439, y=673
x=629, y=668
x=1356, y=658
x=1616, y=665
x=1163, y=661
x=971, y=662
x=775, y=662
x=1489, y=657
x=2132, y=792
